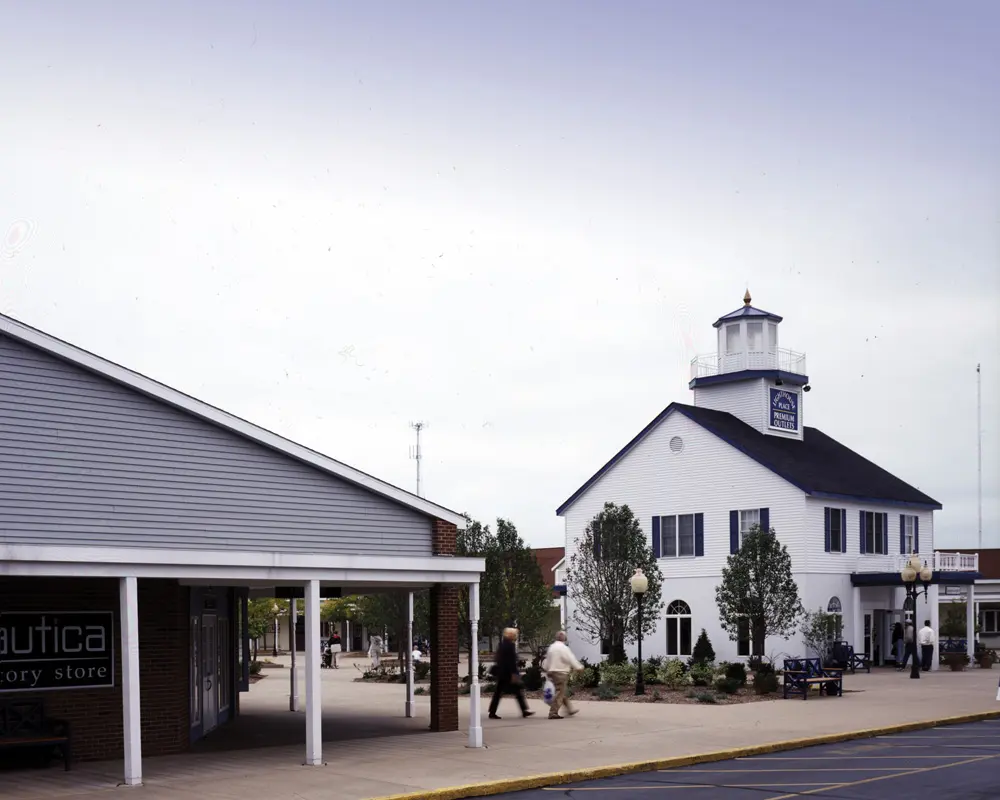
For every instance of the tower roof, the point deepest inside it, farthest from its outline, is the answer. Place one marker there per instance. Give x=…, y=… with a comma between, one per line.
x=746, y=311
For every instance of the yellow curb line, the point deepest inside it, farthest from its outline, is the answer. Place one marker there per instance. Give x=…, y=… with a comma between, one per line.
x=614, y=770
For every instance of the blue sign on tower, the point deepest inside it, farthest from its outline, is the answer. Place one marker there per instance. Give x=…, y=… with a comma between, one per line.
x=784, y=410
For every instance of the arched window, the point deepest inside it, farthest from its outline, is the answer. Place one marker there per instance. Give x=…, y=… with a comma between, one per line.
x=678, y=628
x=835, y=628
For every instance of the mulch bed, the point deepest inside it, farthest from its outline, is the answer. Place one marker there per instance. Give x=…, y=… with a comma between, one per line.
x=626, y=694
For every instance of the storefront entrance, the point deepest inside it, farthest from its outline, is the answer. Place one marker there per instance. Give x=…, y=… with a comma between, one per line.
x=214, y=667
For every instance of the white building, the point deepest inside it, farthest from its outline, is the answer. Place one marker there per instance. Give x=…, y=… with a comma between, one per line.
x=699, y=476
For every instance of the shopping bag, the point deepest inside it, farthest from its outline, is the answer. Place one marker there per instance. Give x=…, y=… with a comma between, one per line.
x=548, y=692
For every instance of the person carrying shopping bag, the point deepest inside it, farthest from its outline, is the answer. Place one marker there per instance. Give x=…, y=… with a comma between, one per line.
x=559, y=662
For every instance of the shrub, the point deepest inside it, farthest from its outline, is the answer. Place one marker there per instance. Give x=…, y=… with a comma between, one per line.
x=422, y=669
x=651, y=671
x=464, y=689
x=737, y=672
x=617, y=674
x=727, y=685
x=588, y=678
x=673, y=674
x=706, y=697
x=606, y=692
x=759, y=664
x=765, y=682
x=655, y=697
x=703, y=652
x=702, y=674
x=255, y=667
x=420, y=690
x=533, y=679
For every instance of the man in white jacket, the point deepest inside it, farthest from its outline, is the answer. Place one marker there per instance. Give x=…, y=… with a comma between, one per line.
x=559, y=662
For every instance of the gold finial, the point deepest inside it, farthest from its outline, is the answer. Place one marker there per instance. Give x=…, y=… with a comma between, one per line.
x=746, y=298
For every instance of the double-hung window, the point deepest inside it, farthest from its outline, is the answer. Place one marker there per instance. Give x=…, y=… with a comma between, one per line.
x=991, y=621
x=909, y=531
x=743, y=643
x=677, y=536
x=874, y=533
x=835, y=522
x=748, y=519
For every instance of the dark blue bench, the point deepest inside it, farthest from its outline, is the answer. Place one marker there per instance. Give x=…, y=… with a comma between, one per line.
x=801, y=674
x=841, y=655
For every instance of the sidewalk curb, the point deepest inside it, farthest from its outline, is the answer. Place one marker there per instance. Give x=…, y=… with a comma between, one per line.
x=613, y=770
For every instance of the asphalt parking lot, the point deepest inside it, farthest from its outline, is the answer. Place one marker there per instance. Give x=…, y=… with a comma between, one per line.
x=958, y=762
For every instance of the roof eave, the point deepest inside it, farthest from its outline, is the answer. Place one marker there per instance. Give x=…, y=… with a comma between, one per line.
x=165, y=394
x=930, y=505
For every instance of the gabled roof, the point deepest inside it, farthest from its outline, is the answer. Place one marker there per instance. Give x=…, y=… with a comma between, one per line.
x=158, y=391
x=746, y=311
x=818, y=465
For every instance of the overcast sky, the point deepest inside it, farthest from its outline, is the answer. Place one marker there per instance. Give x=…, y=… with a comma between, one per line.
x=516, y=221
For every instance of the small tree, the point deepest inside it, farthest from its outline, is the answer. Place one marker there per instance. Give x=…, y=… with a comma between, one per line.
x=757, y=586
x=613, y=546
x=703, y=652
x=818, y=629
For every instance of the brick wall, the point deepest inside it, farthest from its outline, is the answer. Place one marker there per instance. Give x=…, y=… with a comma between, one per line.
x=95, y=715
x=444, y=538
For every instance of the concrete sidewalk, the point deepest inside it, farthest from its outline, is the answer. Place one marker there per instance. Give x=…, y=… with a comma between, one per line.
x=398, y=755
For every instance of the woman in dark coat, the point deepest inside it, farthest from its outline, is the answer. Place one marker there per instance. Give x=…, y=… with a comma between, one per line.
x=507, y=676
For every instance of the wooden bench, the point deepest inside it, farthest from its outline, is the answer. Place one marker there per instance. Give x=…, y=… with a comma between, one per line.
x=801, y=674
x=860, y=662
x=23, y=724
x=841, y=655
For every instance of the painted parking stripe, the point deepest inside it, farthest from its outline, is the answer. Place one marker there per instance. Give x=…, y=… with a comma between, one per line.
x=686, y=771
x=917, y=771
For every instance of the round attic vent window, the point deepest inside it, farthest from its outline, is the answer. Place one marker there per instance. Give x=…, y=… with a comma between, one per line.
x=677, y=444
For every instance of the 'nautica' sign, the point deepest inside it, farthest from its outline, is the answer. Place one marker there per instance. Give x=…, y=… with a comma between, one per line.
x=56, y=650
x=784, y=410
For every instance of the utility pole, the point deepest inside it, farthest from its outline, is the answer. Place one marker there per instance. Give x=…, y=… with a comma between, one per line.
x=979, y=448
x=415, y=451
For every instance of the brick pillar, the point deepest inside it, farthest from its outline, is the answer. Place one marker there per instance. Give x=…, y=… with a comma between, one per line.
x=444, y=657
x=444, y=637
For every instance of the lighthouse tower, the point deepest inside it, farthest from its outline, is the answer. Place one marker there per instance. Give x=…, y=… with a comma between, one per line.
x=750, y=377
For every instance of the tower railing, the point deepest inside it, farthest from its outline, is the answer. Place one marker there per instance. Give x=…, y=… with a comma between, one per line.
x=777, y=359
x=939, y=562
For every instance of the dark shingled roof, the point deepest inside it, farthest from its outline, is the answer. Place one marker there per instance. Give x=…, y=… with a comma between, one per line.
x=818, y=465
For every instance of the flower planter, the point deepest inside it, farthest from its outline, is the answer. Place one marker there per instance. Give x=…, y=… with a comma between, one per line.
x=956, y=661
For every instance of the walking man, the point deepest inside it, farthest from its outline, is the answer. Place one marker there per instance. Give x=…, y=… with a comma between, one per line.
x=927, y=639
x=558, y=664
x=909, y=645
x=507, y=675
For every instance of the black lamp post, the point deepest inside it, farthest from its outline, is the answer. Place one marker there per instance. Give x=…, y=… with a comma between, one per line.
x=915, y=570
x=276, y=611
x=640, y=583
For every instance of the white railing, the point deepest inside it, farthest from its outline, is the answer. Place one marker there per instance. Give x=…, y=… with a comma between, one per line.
x=780, y=359
x=939, y=562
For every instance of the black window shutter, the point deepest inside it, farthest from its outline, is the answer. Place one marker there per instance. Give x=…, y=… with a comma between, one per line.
x=597, y=544
x=885, y=533
x=699, y=534
x=902, y=534
x=826, y=523
x=862, y=530
x=843, y=530
x=734, y=531
x=916, y=534
x=656, y=537
x=765, y=519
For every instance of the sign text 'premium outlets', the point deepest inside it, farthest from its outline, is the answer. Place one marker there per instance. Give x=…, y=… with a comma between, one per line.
x=56, y=650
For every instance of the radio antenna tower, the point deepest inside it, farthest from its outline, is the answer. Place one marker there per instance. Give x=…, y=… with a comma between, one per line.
x=415, y=452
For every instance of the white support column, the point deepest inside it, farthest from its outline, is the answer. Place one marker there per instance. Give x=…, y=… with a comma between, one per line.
x=293, y=678
x=970, y=623
x=858, y=622
x=475, y=701
x=129, y=625
x=314, y=696
x=935, y=604
x=410, y=704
